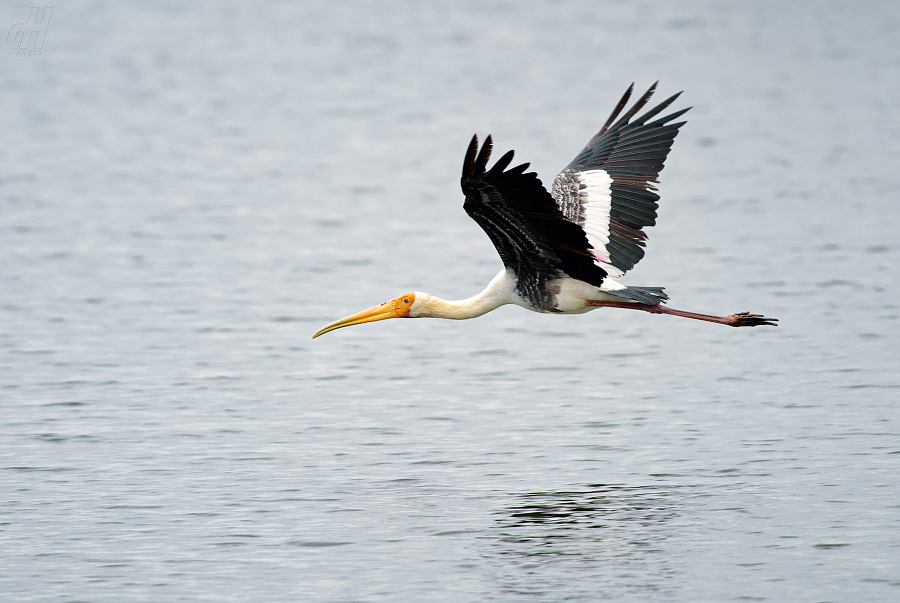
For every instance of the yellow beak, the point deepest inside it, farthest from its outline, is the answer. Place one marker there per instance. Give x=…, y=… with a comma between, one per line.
x=396, y=308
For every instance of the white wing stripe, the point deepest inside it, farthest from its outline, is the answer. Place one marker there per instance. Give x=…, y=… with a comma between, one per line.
x=596, y=201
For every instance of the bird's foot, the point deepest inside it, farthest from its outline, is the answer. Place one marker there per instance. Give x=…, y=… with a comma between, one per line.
x=746, y=319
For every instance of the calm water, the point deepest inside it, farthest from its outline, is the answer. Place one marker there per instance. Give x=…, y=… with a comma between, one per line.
x=188, y=192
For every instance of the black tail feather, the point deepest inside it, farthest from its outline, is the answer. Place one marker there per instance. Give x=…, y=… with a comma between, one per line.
x=642, y=295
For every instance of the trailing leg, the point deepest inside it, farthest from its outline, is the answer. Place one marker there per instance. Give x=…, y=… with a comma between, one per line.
x=739, y=319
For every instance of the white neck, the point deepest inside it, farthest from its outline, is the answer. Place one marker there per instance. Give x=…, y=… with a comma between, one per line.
x=499, y=292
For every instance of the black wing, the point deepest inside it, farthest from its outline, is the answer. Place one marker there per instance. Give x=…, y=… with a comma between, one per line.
x=532, y=236
x=609, y=188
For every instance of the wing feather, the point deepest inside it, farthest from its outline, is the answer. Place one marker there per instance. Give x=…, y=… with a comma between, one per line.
x=629, y=153
x=532, y=236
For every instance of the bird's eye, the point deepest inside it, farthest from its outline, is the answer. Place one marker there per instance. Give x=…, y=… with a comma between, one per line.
x=405, y=300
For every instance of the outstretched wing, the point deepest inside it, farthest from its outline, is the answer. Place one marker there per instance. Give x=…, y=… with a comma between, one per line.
x=532, y=236
x=609, y=188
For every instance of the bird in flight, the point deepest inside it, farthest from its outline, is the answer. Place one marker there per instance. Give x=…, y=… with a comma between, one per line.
x=564, y=250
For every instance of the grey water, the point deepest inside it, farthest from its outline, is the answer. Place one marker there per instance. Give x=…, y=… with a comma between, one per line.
x=189, y=190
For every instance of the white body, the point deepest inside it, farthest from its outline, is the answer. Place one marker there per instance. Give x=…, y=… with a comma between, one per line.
x=571, y=297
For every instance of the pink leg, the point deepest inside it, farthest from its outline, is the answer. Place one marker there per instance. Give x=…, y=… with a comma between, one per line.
x=739, y=319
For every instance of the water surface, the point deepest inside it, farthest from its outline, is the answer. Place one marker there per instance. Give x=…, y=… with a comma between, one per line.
x=188, y=192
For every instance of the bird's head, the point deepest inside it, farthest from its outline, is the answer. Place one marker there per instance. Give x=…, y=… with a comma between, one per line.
x=399, y=307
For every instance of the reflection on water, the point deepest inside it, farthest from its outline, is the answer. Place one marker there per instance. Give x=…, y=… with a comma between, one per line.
x=605, y=531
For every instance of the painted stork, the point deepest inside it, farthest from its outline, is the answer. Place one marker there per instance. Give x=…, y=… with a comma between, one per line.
x=564, y=251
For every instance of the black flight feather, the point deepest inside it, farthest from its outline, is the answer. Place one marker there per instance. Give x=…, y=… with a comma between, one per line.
x=632, y=153
x=532, y=236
